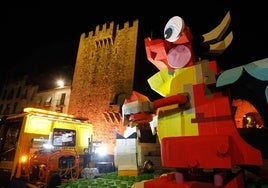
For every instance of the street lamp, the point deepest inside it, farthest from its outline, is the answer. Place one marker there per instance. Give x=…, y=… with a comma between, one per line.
x=60, y=83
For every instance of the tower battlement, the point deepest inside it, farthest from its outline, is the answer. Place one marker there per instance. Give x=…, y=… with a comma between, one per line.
x=104, y=76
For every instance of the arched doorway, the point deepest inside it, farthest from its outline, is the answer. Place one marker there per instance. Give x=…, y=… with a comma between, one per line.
x=246, y=115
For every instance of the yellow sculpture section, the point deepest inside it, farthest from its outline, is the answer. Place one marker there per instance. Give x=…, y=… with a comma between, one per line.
x=166, y=84
x=171, y=120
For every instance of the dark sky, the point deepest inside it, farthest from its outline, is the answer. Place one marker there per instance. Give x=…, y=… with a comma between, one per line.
x=36, y=37
x=44, y=41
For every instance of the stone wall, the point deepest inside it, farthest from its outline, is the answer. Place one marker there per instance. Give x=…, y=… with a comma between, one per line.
x=103, y=78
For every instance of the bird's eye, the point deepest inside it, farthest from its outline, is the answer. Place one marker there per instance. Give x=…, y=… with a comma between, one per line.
x=173, y=29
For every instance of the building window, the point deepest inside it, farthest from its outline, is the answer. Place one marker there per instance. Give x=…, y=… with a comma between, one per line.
x=15, y=107
x=62, y=98
x=48, y=101
x=24, y=96
x=7, y=109
x=18, y=93
x=10, y=94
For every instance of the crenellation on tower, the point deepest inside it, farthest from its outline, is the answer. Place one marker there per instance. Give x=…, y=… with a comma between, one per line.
x=104, y=77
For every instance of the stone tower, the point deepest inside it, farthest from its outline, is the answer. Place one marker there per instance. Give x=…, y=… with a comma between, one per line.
x=103, y=78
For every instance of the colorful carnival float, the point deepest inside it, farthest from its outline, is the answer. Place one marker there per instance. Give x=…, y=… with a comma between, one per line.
x=194, y=119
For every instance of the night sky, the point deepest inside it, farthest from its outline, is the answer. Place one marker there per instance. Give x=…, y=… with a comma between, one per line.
x=44, y=41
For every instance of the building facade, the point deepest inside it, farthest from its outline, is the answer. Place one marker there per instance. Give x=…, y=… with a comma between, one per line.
x=17, y=94
x=56, y=99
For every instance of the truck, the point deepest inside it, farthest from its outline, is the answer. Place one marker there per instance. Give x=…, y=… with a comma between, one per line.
x=42, y=148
